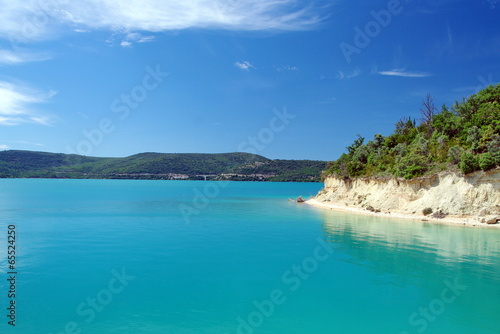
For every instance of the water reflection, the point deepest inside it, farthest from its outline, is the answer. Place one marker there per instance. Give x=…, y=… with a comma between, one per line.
x=421, y=260
x=444, y=242
x=414, y=250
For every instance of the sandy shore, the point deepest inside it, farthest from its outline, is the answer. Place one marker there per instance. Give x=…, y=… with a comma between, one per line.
x=455, y=220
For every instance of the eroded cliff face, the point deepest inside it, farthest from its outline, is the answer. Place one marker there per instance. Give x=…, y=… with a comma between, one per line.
x=476, y=194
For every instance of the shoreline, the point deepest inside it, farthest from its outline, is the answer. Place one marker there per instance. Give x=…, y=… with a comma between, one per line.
x=449, y=220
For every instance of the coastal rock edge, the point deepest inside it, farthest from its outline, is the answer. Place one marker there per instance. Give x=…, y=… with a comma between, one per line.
x=473, y=195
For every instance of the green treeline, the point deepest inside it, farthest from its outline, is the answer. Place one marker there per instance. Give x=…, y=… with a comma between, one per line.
x=158, y=166
x=465, y=137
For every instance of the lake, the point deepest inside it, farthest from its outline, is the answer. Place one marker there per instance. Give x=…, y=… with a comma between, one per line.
x=114, y=256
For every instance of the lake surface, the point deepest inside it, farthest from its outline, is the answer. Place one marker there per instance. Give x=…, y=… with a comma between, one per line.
x=104, y=256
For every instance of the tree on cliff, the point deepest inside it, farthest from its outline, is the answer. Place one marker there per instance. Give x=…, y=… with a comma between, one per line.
x=428, y=111
x=465, y=137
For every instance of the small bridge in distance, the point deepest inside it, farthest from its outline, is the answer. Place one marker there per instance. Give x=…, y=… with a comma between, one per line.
x=205, y=177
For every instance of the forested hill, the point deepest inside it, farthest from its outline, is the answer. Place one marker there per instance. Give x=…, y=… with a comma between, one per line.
x=152, y=166
x=462, y=138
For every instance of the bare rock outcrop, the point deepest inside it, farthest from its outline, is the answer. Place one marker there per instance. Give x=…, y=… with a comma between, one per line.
x=491, y=220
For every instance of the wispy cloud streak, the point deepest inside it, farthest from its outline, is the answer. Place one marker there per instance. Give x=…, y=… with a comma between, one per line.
x=244, y=65
x=16, y=105
x=8, y=57
x=405, y=74
x=31, y=20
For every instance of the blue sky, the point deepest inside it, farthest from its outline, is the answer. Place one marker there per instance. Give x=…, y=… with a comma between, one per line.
x=285, y=79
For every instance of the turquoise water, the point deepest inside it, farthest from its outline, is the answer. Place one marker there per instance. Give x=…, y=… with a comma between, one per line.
x=101, y=256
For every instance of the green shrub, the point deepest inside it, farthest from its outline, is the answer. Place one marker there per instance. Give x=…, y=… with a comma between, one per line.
x=400, y=150
x=468, y=163
x=427, y=211
x=413, y=171
x=422, y=145
x=361, y=154
x=411, y=165
x=473, y=136
x=486, y=161
x=447, y=123
x=355, y=168
x=454, y=154
x=494, y=148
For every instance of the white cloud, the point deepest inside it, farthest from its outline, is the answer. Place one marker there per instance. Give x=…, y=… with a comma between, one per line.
x=137, y=37
x=405, y=74
x=244, y=65
x=283, y=68
x=24, y=142
x=133, y=37
x=4, y=147
x=41, y=119
x=328, y=101
x=161, y=15
x=16, y=105
x=8, y=57
x=15, y=24
x=492, y=3
x=146, y=39
x=354, y=73
x=24, y=21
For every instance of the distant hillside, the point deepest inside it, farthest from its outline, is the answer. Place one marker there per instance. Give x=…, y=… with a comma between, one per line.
x=154, y=166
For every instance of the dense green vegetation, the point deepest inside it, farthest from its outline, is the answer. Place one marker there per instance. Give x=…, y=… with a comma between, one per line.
x=227, y=166
x=465, y=137
x=288, y=170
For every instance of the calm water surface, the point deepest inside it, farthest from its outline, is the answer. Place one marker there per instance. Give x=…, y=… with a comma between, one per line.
x=101, y=256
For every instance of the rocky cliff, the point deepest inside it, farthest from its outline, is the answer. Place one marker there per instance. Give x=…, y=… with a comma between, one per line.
x=474, y=195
